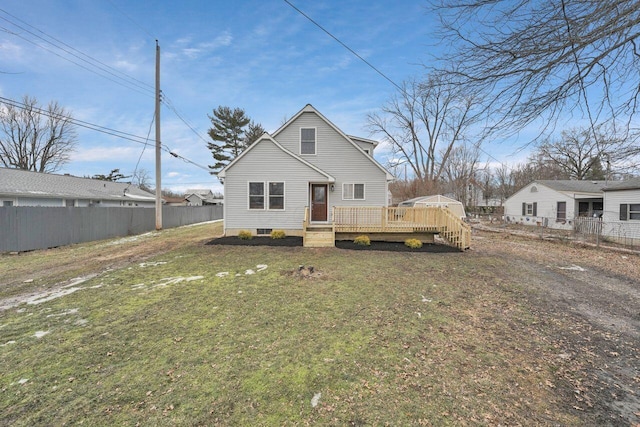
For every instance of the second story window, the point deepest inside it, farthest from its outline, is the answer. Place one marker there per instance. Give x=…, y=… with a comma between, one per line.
x=307, y=141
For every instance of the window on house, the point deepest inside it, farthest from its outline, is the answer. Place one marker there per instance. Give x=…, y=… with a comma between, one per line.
x=256, y=195
x=276, y=195
x=530, y=209
x=307, y=141
x=352, y=191
x=630, y=211
x=7, y=203
x=561, y=211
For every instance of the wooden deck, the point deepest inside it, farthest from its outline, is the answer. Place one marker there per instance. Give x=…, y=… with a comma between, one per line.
x=389, y=221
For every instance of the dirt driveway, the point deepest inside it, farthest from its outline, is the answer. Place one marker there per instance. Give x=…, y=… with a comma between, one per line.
x=586, y=303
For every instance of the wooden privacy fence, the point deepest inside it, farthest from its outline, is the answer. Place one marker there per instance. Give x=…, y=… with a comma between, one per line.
x=403, y=220
x=24, y=228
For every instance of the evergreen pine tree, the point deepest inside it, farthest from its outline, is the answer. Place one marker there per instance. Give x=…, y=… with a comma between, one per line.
x=227, y=134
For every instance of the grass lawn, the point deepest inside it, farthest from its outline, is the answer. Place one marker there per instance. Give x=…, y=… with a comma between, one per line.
x=232, y=335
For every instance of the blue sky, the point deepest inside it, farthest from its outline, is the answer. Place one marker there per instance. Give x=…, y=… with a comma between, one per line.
x=259, y=55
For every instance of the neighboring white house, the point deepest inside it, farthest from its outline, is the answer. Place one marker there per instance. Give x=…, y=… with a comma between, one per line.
x=307, y=163
x=621, y=216
x=555, y=203
x=438, y=200
x=25, y=188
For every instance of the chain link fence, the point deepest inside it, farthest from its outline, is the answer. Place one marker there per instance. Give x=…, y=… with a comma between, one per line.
x=590, y=230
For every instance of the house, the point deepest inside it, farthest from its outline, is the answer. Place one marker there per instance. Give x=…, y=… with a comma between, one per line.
x=307, y=165
x=200, y=197
x=438, y=200
x=621, y=216
x=555, y=203
x=25, y=188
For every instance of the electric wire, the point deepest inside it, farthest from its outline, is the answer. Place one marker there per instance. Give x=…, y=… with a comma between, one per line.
x=372, y=66
x=102, y=129
x=126, y=81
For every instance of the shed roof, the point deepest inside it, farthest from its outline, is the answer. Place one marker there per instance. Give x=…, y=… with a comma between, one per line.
x=17, y=182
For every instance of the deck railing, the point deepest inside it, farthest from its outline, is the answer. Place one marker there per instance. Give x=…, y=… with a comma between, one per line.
x=401, y=220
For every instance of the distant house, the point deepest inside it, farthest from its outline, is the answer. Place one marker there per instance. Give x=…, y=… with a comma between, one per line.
x=555, y=203
x=174, y=201
x=621, y=216
x=26, y=188
x=201, y=197
x=308, y=165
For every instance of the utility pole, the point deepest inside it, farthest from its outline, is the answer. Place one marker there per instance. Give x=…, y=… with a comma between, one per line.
x=158, y=152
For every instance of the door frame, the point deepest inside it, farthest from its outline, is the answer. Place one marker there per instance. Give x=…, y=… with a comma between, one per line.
x=326, y=198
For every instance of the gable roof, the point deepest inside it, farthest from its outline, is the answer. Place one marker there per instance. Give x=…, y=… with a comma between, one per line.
x=629, y=184
x=311, y=109
x=266, y=137
x=21, y=183
x=573, y=186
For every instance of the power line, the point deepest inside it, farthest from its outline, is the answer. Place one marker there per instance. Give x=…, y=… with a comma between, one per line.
x=123, y=79
x=102, y=129
x=132, y=20
x=368, y=63
x=345, y=46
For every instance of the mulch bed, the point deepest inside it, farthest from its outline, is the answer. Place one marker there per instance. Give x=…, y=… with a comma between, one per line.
x=292, y=241
x=289, y=241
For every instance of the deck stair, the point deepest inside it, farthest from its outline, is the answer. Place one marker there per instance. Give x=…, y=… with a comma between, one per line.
x=319, y=236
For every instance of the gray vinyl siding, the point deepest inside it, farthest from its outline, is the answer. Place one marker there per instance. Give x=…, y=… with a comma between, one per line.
x=264, y=163
x=339, y=158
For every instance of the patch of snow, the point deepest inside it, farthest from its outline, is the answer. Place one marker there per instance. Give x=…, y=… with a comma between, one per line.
x=315, y=399
x=151, y=264
x=249, y=272
x=7, y=343
x=81, y=322
x=222, y=274
x=40, y=334
x=261, y=267
x=22, y=380
x=39, y=299
x=424, y=299
x=573, y=268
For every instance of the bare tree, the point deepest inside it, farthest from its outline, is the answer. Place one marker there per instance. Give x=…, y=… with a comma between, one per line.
x=580, y=154
x=460, y=172
x=543, y=59
x=35, y=139
x=423, y=124
x=142, y=179
x=504, y=182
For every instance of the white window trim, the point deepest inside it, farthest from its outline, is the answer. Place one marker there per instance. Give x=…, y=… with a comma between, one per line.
x=353, y=192
x=529, y=209
x=284, y=196
x=264, y=195
x=315, y=133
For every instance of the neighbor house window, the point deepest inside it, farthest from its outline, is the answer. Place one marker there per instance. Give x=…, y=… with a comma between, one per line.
x=256, y=195
x=307, y=141
x=530, y=209
x=561, y=212
x=7, y=203
x=352, y=191
x=276, y=195
x=630, y=212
